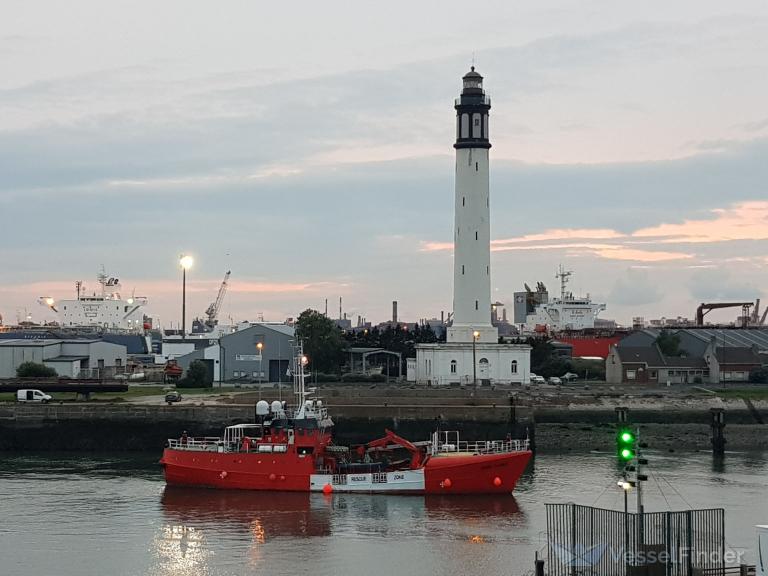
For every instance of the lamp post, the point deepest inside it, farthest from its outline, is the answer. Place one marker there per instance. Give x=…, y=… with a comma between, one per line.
x=260, y=347
x=185, y=261
x=475, y=336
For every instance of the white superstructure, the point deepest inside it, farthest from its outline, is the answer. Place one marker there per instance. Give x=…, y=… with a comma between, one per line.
x=565, y=313
x=105, y=309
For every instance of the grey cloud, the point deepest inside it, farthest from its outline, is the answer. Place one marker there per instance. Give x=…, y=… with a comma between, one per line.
x=635, y=288
x=719, y=284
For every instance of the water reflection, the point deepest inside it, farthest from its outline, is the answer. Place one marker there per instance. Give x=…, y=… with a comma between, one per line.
x=265, y=514
x=180, y=550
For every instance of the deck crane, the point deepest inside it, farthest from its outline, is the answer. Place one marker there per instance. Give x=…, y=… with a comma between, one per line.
x=212, y=312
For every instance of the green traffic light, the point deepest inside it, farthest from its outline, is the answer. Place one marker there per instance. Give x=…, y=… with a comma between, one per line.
x=627, y=454
x=627, y=437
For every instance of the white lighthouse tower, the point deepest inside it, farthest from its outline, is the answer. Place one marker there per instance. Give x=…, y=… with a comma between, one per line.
x=471, y=353
x=472, y=231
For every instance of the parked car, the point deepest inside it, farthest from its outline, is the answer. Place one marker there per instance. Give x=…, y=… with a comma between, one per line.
x=568, y=376
x=33, y=396
x=172, y=397
x=555, y=380
x=535, y=379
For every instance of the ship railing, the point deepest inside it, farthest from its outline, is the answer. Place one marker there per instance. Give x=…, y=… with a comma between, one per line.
x=202, y=444
x=449, y=442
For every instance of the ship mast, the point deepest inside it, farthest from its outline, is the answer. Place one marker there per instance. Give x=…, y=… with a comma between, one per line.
x=299, y=388
x=563, y=275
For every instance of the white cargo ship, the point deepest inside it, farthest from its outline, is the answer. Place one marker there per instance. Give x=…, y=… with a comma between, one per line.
x=566, y=313
x=105, y=309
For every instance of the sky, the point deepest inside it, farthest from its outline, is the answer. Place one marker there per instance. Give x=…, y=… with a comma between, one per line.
x=307, y=147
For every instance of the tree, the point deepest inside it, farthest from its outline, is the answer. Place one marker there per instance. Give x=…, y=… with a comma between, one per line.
x=322, y=340
x=197, y=376
x=669, y=343
x=35, y=370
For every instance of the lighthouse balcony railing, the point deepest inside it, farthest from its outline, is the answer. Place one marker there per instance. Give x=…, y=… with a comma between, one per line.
x=473, y=99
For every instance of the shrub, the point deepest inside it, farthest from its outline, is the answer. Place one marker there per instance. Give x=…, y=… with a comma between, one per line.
x=196, y=377
x=35, y=370
x=759, y=376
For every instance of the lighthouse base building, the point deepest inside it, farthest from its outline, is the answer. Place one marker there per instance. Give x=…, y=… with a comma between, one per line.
x=472, y=353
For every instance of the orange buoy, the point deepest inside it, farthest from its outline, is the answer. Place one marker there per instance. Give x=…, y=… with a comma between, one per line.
x=497, y=481
x=272, y=476
x=327, y=489
x=447, y=483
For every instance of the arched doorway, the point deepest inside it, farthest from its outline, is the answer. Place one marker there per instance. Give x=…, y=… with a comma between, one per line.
x=484, y=369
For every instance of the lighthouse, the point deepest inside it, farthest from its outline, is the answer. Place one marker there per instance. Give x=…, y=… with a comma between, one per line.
x=472, y=354
x=472, y=207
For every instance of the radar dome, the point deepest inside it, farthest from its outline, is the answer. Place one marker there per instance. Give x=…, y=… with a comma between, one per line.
x=262, y=408
x=277, y=406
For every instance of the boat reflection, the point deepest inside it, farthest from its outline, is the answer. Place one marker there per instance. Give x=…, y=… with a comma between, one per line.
x=473, y=506
x=266, y=514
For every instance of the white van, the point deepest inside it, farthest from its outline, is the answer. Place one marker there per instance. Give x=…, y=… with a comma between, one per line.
x=33, y=396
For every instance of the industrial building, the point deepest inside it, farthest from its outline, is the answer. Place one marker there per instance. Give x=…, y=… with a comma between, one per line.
x=70, y=358
x=706, y=356
x=259, y=353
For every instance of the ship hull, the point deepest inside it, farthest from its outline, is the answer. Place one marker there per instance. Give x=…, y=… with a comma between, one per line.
x=442, y=474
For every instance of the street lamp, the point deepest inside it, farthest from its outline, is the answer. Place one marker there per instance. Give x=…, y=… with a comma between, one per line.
x=185, y=261
x=475, y=336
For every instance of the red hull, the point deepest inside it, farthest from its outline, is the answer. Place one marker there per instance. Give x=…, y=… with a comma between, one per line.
x=475, y=474
x=453, y=474
x=252, y=471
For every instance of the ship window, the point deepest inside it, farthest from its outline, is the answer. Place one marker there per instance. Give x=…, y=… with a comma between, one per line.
x=487, y=270
x=305, y=449
x=484, y=361
x=476, y=167
x=462, y=269
x=475, y=234
x=453, y=366
x=477, y=305
x=463, y=200
x=514, y=366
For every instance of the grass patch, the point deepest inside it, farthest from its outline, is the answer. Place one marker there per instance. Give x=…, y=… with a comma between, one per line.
x=743, y=393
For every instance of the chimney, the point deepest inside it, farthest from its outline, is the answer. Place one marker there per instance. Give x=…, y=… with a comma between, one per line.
x=442, y=316
x=394, y=311
x=339, y=307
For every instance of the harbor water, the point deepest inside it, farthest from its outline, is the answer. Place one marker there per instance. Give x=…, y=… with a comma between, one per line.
x=101, y=514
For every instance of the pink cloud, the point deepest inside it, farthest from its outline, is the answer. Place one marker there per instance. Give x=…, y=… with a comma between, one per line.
x=564, y=234
x=743, y=221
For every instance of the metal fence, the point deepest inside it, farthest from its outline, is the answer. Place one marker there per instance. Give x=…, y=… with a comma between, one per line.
x=587, y=541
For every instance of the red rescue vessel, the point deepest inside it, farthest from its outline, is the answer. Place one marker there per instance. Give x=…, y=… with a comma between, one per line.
x=293, y=451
